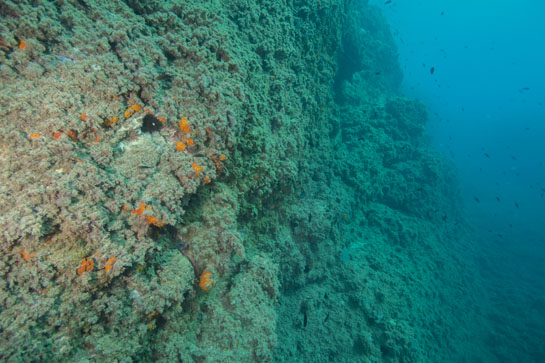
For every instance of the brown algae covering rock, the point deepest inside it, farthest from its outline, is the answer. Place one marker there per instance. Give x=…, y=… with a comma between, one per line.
x=146, y=143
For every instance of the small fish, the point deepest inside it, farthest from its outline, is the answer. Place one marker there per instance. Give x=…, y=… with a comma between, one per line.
x=486, y=154
x=498, y=199
x=476, y=199
x=65, y=58
x=432, y=70
x=517, y=205
x=387, y=2
x=444, y=217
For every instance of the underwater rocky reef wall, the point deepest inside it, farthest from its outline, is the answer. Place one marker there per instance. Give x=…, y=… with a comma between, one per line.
x=218, y=181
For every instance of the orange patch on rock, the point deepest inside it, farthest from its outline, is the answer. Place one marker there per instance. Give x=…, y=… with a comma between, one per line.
x=86, y=265
x=205, y=282
x=184, y=125
x=180, y=146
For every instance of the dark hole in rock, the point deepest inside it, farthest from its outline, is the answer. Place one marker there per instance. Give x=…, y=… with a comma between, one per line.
x=151, y=124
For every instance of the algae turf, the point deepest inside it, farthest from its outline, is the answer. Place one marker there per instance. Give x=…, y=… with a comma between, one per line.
x=273, y=148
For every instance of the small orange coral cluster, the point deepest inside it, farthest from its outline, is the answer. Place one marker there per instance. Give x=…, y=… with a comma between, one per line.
x=140, y=209
x=184, y=125
x=131, y=110
x=205, y=282
x=186, y=141
x=27, y=256
x=86, y=265
x=110, y=122
x=149, y=219
x=109, y=263
x=154, y=221
x=180, y=146
x=71, y=134
x=84, y=117
x=197, y=168
x=217, y=160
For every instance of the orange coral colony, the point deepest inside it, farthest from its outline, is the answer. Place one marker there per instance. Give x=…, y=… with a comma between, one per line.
x=154, y=221
x=184, y=126
x=140, y=210
x=131, y=110
x=109, y=263
x=110, y=122
x=27, y=256
x=188, y=140
x=136, y=108
x=197, y=168
x=180, y=146
x=205, y=282
x=86, y=265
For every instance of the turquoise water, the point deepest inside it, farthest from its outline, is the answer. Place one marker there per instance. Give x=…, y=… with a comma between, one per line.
x=486, y=106
x=238, y=181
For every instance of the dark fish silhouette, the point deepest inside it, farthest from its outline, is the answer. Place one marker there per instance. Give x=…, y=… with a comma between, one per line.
x=477, y=199
x=486, y=154
x=432, y=70
x=498, y=199
x=516, y=205
x=387, y=2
